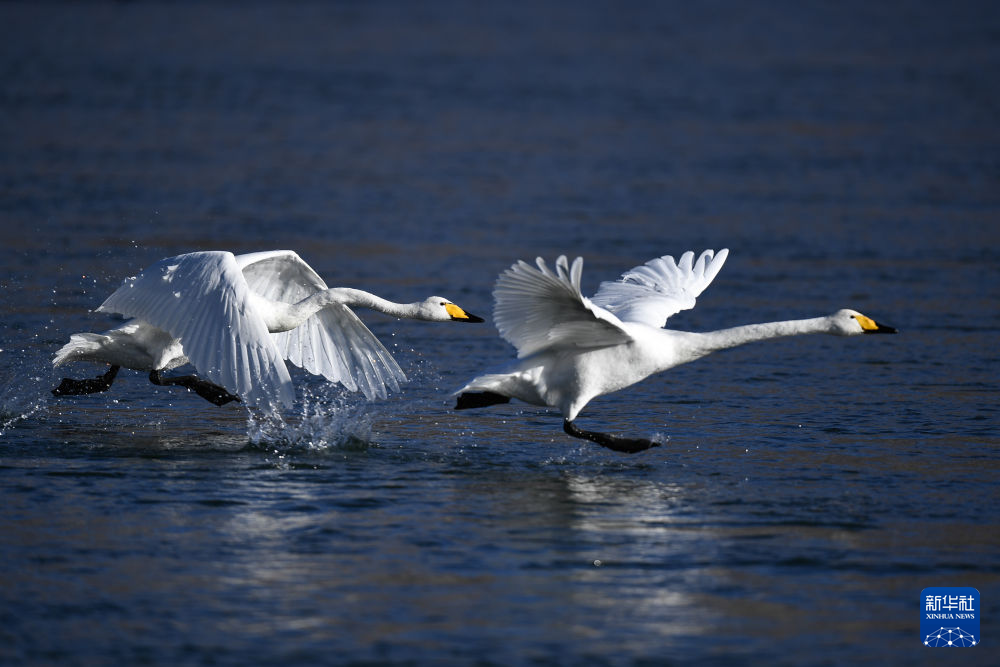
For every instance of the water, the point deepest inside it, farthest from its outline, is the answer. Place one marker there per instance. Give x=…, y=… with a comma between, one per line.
x=808, y=489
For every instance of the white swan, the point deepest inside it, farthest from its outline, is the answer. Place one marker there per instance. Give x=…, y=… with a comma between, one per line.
x=572, y=349
x=235, y=319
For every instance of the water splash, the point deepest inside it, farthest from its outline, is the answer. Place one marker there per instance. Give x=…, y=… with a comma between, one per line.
x=22, y=395
x=325, y=419
x=660, y=438
x=10, y=415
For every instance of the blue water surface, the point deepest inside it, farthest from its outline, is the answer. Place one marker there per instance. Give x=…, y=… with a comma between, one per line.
x=808, y=489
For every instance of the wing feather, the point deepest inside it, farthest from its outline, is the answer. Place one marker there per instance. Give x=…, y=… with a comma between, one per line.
x=334, y=343
x=201, y=299
x=536, y=308
x=661, y=287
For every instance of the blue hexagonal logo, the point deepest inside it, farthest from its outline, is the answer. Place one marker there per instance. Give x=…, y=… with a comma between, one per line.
x=949, y=617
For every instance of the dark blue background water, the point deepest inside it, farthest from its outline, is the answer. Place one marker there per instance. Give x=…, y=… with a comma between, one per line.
x=847, y=153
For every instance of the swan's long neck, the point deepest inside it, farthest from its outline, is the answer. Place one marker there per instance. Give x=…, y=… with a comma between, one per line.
x=287, y=316
x=723, y=339
x=751, y=333
x=357, y=298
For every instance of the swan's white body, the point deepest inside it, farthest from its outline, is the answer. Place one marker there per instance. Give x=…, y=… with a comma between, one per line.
x=572, y=349
x=237, y=318
x=135, y=344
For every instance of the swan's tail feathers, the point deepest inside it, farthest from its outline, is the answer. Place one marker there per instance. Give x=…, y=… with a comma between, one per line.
x=81, y=346
x=479, y=399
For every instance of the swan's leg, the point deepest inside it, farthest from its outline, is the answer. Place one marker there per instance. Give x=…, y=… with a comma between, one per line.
x=71, y=387
x=627, y=445
x=479, y=399
x=212, y=393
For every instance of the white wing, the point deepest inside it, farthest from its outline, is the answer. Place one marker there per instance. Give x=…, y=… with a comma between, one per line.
x=202, y=299
x=651, y=293
x=334, y=343
x=537, y=309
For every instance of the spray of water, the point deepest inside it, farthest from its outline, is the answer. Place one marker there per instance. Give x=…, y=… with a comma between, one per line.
x=325, y=417
x=21, y=393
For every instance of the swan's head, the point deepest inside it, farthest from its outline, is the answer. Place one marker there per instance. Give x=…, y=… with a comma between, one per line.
x=849, y=322
x=440, y=309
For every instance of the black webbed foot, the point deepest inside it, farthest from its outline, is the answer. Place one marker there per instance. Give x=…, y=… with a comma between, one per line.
x=625, y=445
x=212, y=393
x=479, y=399
x=71, y=387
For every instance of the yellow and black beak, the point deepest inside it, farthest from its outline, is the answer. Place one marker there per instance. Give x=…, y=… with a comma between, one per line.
x=459, y=315
x=870, y=326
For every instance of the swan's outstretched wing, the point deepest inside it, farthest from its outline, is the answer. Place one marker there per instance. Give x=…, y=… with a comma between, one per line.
x=334, y=343
x=203, y=299
x=653, y=292
x=279, y=275
x=537, y=309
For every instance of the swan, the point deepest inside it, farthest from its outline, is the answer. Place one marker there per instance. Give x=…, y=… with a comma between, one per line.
x=572, y=349
x=236, y=318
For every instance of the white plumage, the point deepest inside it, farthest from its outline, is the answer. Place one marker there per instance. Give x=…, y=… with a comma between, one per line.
x=572, y=349
x=236, y=319
x=653, y=292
